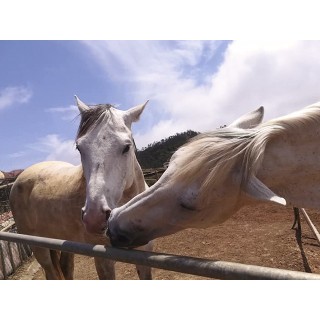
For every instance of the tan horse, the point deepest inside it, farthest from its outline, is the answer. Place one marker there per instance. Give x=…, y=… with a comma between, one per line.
x=50, y=199
x=213, y=176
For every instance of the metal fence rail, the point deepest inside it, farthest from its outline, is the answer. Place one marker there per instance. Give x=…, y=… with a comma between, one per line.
x=195, y=266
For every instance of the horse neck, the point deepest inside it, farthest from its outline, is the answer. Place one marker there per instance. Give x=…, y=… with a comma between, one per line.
x=137, y=186
x=291, y=167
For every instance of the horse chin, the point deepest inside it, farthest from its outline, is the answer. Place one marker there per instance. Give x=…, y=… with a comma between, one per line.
x=101, y=233
x=121, y=241
x=137, y=244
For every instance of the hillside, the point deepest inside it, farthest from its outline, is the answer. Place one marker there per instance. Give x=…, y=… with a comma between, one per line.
x=158, y=153
x=6, y=177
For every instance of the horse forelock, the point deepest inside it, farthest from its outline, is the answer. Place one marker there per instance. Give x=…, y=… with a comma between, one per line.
x=91, y=117
x=212, y=157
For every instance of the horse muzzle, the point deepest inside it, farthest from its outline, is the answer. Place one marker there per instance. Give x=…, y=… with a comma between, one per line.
x=95, y=222
x=121, y=239
x=118, y=239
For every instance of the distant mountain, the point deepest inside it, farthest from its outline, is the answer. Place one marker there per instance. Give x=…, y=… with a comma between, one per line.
x=155, y=155
x=10, y=175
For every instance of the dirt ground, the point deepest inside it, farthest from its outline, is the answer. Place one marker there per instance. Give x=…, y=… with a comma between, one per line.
x=259, y=235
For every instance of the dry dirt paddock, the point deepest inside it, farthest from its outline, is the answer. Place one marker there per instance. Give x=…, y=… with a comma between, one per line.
x=259, y=235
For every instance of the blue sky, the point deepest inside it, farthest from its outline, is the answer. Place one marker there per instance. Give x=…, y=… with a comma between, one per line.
x=196, y=85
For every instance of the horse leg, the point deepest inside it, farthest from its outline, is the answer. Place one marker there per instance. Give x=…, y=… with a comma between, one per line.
x=297, y=220
x=67, y=265
x=145, y=272
x=48, y=261
x=105, y=268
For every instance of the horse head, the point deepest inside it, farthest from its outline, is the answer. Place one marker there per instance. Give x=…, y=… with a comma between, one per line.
x=107, y=151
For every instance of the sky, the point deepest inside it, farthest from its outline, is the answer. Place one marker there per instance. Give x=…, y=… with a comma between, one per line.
x=197, y=85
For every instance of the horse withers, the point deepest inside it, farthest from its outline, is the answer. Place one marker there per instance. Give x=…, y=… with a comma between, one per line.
x=217, y=173
x=58, y=200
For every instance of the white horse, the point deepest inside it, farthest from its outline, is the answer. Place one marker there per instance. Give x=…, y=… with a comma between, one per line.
x=58, y=200
x=214, y=175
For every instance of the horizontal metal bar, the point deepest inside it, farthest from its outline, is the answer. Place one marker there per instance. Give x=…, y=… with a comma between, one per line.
x=195, y=266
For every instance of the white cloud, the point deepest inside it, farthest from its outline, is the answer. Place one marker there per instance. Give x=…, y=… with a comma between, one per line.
x=57, y=149
x=67, y=113
x=17, y=154
x=14, y=95
x=281, y=76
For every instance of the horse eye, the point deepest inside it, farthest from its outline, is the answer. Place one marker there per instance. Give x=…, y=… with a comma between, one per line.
x=187, y=207
x=126, y=149
x=77, y=147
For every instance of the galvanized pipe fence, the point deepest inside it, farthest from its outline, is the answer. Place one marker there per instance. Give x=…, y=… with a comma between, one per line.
x=195, y=266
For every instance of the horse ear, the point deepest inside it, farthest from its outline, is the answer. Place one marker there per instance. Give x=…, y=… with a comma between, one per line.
x=133, y=114
x=258, y=190
x=249, y=120
x=81, y=105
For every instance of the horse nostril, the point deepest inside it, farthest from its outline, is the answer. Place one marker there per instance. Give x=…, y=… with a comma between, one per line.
x=107, y=213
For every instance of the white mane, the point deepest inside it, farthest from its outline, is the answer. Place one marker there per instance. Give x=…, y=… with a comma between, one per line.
x=212, y=156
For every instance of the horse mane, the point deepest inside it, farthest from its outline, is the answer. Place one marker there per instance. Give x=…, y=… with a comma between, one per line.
x=91, y=117
x=212, y=156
